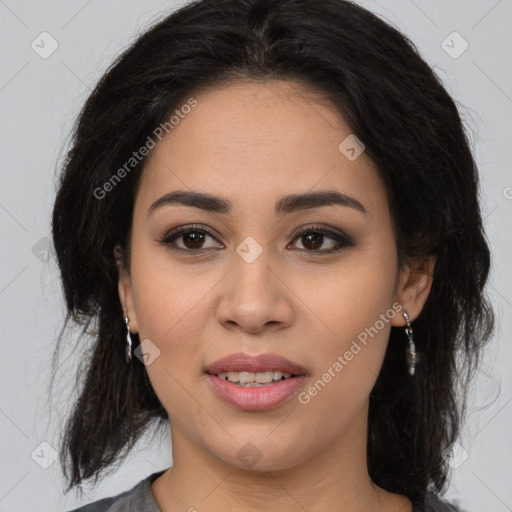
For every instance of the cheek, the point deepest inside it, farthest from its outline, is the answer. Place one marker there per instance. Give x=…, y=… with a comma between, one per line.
x=170, y=312
x=353, y=296
x=170, y=302
x=168, y=293
x=354, y=306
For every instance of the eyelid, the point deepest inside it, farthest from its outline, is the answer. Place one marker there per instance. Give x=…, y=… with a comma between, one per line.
x=322, y=228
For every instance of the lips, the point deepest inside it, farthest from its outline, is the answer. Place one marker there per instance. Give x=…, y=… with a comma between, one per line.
x=240, y=362
x=257, y=399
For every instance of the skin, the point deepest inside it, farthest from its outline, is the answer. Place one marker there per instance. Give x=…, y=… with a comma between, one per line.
x=252, y=143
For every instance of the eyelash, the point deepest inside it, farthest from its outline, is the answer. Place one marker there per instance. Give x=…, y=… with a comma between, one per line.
x=343, y=241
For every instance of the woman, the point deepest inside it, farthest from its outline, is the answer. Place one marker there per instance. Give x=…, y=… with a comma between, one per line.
x=270, y=211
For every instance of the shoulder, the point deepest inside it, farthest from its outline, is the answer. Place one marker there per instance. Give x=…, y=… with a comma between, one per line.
x=433, y=503
x=138, y=498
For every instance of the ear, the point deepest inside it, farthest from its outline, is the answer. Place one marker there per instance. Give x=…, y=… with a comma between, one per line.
x=415, y=282
x=124, y=287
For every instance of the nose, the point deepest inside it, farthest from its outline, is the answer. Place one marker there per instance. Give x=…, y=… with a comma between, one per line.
x=255, y=298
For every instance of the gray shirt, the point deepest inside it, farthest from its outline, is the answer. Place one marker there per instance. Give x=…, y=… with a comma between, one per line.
x=140, y=499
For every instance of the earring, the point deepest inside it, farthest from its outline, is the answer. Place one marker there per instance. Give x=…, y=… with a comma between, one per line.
x=412, y=355
x=128, y=341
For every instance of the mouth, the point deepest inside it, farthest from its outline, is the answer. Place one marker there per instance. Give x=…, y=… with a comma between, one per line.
x=255, y=383
x=261, y=369
x=255, y=379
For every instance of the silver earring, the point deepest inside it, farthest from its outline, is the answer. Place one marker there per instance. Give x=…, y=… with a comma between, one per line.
x=128, y=341
x=412, y=355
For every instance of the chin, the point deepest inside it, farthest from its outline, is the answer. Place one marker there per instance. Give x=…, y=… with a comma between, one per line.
x=251, y=453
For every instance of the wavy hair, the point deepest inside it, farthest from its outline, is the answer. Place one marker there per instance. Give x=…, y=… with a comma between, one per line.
x=411, y=128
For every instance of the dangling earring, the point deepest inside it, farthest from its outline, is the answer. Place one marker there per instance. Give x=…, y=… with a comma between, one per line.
x=412, y=355
x=128, y=341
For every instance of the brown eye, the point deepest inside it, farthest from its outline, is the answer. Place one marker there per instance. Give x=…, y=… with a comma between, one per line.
x=314, y=238
x=192, y=239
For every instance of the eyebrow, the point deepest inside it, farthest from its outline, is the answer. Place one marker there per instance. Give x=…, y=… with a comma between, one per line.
x=287, y=204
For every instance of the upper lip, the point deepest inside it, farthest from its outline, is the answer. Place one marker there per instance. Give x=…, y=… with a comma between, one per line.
x=260, y=363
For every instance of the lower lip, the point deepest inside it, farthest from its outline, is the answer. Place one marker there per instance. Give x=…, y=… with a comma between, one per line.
x=256, y=398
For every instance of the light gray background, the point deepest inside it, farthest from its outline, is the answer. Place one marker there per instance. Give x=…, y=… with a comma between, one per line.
x=39, y=99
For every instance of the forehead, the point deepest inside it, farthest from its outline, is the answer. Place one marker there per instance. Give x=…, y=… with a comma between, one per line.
x=254, y=142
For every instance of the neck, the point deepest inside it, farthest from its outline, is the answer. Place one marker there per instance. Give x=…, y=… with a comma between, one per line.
x=334, y=478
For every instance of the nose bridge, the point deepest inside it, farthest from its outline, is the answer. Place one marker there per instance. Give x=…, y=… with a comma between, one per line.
x=255, y=296
x=253, y=270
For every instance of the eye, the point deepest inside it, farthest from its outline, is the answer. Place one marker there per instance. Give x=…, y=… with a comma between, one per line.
x=313, y=238
x=192, y=238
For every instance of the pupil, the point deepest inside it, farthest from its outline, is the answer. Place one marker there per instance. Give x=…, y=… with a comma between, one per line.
x=314, y=237
x=196, y=240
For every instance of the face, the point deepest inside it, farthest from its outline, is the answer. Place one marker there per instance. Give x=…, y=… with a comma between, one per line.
x=316, y=282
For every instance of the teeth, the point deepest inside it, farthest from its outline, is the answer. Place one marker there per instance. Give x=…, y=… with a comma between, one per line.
x=247, y=378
